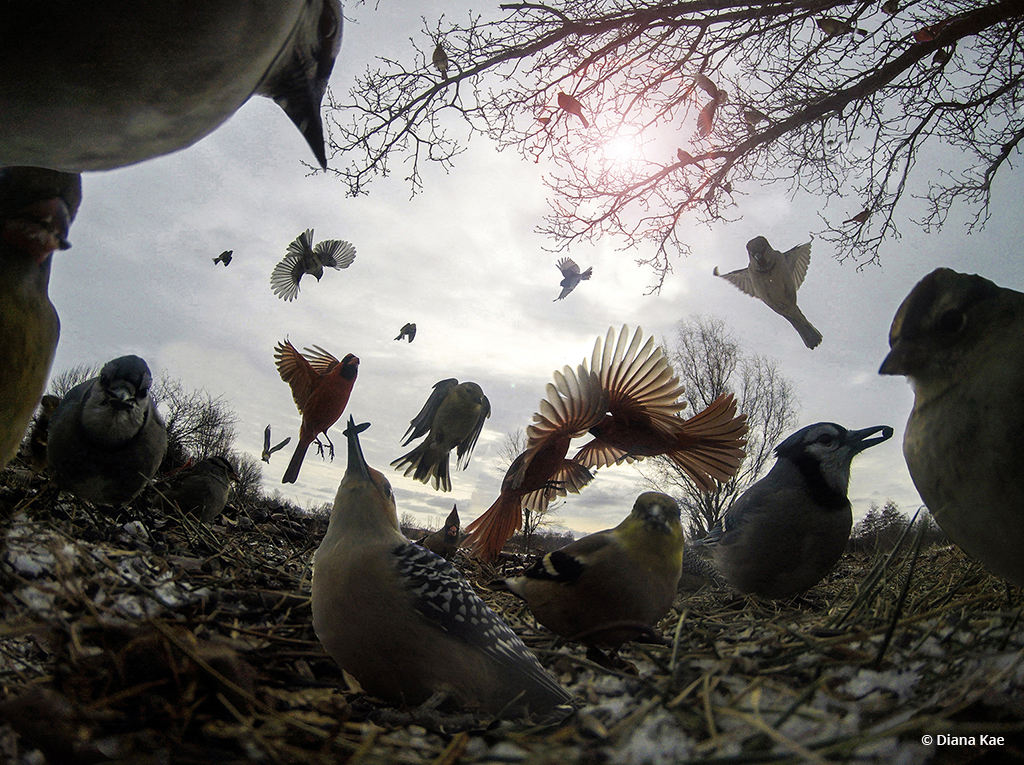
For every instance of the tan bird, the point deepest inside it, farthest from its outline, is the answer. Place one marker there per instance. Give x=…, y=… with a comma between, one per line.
x=773, y=277
x=201, y=490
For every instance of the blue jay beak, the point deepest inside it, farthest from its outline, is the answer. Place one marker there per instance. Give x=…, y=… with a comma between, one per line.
x=859, y=440
x=356, y=460
x=122, y=396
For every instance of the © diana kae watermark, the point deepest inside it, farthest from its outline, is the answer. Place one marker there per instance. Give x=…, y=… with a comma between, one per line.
x=950, y=739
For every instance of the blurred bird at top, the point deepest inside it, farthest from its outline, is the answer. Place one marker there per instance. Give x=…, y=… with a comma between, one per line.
x=320, y=387
x=201, y=490
x=36, y=210
x=573, y=404
x=303, y=258
x=774, y=277
x=570, y=105
x=125, y=81
x=788, y=530
x=224, y=257
x=452, y=418
x=834, y=27
x=408, y=330
x=440, y=59
x=643, y=404
x=706, y=118
x=959, y=340
x=446, y=540
x=403, y=621
x=268, y=449
x=571, y=276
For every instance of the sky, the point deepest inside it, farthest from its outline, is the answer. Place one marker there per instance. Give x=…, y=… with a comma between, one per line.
x=463, y=261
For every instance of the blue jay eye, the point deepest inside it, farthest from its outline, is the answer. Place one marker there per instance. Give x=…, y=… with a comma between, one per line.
x=951, y=321
x=825, y=439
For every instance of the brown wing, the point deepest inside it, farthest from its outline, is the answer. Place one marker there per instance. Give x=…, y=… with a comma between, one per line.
x=321, y=361
x=296, y=370
x=573, y=404
x=711, y=443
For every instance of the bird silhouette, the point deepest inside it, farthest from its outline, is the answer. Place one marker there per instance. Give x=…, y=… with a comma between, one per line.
x=706, y=118
x=268, y=449
x=440, y=59
x=446, y=540
x=834, y=27
x=321, y=386
x=303, y=258
x=686, y=158
x=753, y=116
x=891, y=7
x=570, y=105
x=452, y=418
x=408, y=331
x=202, y=489
x=774, y=277
x=860, y=217
x=571, y=276
x=224, y=257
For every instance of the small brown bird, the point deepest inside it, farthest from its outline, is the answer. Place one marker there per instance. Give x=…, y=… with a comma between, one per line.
x=40, y=433
x=685, y=158
x=834, y=27
x=753, y=116
x=891, y=7
x=224, y=257
x=929, y=33
x=860, y=217
x=440, y=59
x=321, y=386
x=268, y=449
x=446, y=540
x=452, y=418
x=201, y=490
x=303, y=258
x=408, y=330
x=571, y=276
x=570, y=105
x=706, y=118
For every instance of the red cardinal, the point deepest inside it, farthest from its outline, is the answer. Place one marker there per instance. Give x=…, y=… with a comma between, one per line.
x=320, y=386
x=574, y=404
x=643, y=415
x=569, y=104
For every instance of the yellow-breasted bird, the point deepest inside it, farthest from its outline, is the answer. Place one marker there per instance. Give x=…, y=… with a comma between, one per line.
x=404, y=622
x=612, y=586
x=36, y=210
x=959, y=340
x=446, y=540
x=452, y=418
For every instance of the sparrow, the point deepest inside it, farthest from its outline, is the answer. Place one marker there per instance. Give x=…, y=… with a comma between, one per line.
x=834, y=27
x=571, y=276
x=452, y=418
x=570, y=105
x=403, y=621
x=685, y=158
x=268, y=449
x=446, y=540
x=440, y=59
x=224, y=257
x=408, y=330
x=88, y=88
x=753, y=116
x=303, y=258
x=860, y=217
x=107, y=438
x=788, y=530
x=774, y=277
x=320, y=387
x=706, y=118
x=929, y=33
x=201, y=490
x=959, y=340
x=36, y=210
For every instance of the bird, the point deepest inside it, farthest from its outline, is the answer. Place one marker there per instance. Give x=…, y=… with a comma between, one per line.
x=571, y=276
x=573, y=404
x=891, y=7
x=40, y=433
x=446, y=540
x=403, y=621
x=107, y=438
x=706, y=118
x=201, y=490
x=942, y=56
x=929, y=33
x=685, y=158
x=303, y=258
x=440, y=59
x=224, y=257
x=834, y=27
x=860, y=217
x=788, y=530
x=774, y=277
x=159, y=77
x=408, y=331
x=570, y=105
x=268, y=449
x=452, y=418
x=320, y=387
x=753, y=116
x=37, y=207
x=644, y=400
x=959, y=340
x=613, y=586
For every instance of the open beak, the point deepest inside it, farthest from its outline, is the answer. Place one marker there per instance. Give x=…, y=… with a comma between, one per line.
x=861, y=439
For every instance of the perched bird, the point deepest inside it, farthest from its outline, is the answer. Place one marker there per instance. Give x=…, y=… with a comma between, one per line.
x=201, y=490
x=452, y=418
x=224, y=257
x=685, y=158
x=774, y=277
x=268, y=449
x=403, y=621
x=303, y=258
x=446, y=540
x=891, y=7
x=790, y=528
x=36, y=210
x=570, y=105
x=408, y=330
x=929, y=33
x=942, y=56
x=612, y=586
x=860, y=217
x=320, y=387
x=834, y=27
x=753, y=116
x=642, y=418
x=571, y=276
x=107, y=439
x=959, y=340
x=40, y=433
x=706, y=118
x=159, y=76
x=440, y=59
x=573, y=405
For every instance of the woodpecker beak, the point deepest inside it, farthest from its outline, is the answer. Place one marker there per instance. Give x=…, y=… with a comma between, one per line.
x=356, y=460
x=859, y=440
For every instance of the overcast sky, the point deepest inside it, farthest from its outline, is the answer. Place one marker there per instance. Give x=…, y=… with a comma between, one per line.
x=463, y=262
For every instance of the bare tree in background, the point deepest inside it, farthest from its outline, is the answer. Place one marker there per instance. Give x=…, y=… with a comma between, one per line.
x=247, y=490
x=198, y=425
x=67, y=379
x=514, y=445
x=689, y=103
x=710, y=362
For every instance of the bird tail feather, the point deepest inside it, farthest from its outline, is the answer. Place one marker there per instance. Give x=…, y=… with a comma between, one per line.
x=810, y=336
x=488, y=534
x=427, y=461
x=296, y=462
x=712, y=443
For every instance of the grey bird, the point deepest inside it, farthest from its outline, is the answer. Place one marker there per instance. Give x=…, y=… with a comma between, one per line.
x=268, y=449
x=790, y=528
x=408, y=330
x=446, y=540
x=959, y=340
x=224, y=257
x=201, y=490
x=304, y=258
x=440, y=59
x=107, y=439
x=94, y=87
x=773, y=277
x=571, y=276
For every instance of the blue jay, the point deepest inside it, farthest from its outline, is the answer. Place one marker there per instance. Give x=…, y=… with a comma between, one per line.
x=201, y=490
x=304, y=258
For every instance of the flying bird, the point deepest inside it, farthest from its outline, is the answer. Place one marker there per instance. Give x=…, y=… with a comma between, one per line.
x=224, y=257
x=452, y=418
x=201, y=490
x=706, y=118
x=571, y=276
x=570, y=105
x=446, y=540
x=408, y=330
x=834, y=27
x=320, y=387
x=774, y=277
x=303, y=258
x=440, y=59
x=268, y=449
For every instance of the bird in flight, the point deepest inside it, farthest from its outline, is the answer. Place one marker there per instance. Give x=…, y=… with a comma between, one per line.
x=304, y=258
